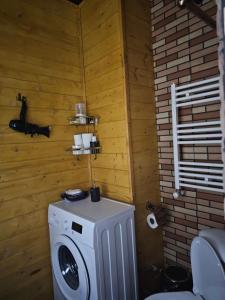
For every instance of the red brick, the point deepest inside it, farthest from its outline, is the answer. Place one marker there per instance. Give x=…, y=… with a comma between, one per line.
x=203, y=38
x=177, y=35
x=165, y=21
x=166, y=59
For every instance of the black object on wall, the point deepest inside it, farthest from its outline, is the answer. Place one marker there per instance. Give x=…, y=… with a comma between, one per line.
x=77, y=2
x=22, y=126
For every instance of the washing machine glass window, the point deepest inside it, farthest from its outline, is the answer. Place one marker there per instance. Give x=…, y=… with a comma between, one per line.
x=69, y=268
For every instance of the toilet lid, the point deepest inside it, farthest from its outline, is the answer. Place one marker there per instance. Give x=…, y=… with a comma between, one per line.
x=174, y=296
x=207, y=270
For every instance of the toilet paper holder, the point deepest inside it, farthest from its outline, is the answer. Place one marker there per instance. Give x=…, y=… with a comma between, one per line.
x=157, y=213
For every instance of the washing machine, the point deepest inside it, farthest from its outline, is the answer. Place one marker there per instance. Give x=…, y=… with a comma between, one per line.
x=93, y=251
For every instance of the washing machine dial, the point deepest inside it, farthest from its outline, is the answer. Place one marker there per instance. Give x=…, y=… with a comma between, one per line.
x=65, y=225
x=53, y=220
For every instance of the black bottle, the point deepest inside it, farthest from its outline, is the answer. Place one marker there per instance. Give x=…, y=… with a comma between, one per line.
x=95, y=194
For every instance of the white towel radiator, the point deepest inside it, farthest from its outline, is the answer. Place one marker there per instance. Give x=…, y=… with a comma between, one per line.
x=194, y=174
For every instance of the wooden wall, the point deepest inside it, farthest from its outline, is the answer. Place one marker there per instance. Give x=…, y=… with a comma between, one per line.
x=48, y=51
x=140, y=82
x=105, y=94
x=119, y=88
x=40, y=58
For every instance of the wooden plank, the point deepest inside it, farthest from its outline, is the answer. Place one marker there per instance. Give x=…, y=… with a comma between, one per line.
x=143, y=127
x=142, y=160
x=112, y=129
x=15, y=245
x=140, y=93
x=23, y=18
x=66, y=11
x=147, y=193
x=115, y=192
x=142, y=111
x=138, y=33
x=40, y=49
x=22, y=224
x=42, y=83
x=140, y=9
x=20, y=206
x=42, y=117
x=25, y=169
x=24, y=279
x=104, y=31
x=113, y=177
x=55, y=86
x=111, y=113
x=114, y=145
x=140, y=85
x=36, y=66
x=142, y=143
x=20, y=262
x=104, y=82
x=40, y=57
x=22, y=152
x=42, y=289
x=43, y=183
x=97, y=13
x=140, y=76
x=58, y=133
x=37, y=99
x=105, y=65
x=103, y=48
x=140, y=59
x=114, y=161
x=105, y=98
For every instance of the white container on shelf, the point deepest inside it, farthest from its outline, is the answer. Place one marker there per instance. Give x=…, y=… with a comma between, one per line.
x=86, y=137
x=78, y=142
x=80, y=109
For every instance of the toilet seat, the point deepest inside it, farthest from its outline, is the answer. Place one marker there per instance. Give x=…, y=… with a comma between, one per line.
x=207, y=270
x=174, y=296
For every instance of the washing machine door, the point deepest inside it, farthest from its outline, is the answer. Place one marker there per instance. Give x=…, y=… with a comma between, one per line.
x=69, y=269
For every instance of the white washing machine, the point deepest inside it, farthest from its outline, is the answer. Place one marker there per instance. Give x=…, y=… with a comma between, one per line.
x=93, y=250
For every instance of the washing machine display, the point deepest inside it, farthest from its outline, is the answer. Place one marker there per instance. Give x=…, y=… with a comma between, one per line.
x=77, y=227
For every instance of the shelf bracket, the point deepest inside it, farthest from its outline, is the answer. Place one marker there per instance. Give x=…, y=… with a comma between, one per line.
x=195, y=9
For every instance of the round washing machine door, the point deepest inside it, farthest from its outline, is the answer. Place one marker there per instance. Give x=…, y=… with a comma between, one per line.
x=69, y=269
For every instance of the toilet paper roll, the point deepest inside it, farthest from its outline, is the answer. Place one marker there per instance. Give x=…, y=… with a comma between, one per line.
x=151, y=220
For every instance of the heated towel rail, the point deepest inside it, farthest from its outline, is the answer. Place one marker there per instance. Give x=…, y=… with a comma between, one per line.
x=196, y=174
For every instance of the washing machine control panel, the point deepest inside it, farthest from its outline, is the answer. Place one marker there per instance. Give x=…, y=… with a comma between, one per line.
x=71, y=225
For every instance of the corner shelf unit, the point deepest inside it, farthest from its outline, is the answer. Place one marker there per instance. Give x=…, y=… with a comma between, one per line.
x=194, y=174
x=85, y=121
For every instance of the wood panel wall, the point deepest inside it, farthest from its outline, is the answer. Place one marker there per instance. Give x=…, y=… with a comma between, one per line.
x=105, y=95
x=140, y=92
x=57, y=57
x=119, y=88
x=39, y=57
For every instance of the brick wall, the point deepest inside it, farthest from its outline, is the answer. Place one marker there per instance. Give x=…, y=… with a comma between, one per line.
x=184, y=50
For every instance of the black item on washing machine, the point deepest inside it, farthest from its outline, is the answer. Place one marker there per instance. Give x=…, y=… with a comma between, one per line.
x=176, y=278
x=95, y=194
x=75, y=197
x=68, y=267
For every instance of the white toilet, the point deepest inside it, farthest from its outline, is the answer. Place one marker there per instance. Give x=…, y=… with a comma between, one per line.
x=208, y=269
